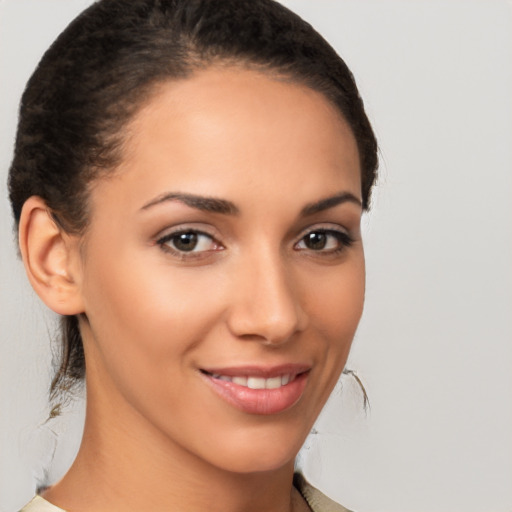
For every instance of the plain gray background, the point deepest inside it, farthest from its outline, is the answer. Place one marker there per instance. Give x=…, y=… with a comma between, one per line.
x=435, y=345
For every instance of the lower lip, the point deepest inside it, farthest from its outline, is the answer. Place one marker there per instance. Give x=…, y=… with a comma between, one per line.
x=260, y=401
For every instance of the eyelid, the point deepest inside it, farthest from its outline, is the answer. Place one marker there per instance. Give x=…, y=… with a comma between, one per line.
x=186, y=227
x=343, y=235
x=167, y=235
x=324, y=227
x=171, y=235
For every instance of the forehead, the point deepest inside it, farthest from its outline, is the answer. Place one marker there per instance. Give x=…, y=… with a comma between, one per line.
x=224, y=131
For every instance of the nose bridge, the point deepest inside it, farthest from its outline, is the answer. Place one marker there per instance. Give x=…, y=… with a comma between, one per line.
x=267, y=305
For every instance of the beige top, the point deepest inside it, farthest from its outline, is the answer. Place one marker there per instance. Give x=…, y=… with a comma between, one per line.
x=317, y=501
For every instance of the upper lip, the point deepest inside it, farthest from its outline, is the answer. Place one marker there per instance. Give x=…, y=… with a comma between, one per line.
x=266, y=372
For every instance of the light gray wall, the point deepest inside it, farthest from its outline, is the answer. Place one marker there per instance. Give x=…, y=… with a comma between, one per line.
x=435, y=346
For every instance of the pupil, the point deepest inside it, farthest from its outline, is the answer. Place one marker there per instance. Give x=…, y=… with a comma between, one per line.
x=185, y=241
x=316, y=241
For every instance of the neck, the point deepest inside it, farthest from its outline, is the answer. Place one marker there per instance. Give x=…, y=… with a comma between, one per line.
x=138, y=468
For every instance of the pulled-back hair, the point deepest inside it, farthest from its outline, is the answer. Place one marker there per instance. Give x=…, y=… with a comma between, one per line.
x=104, y=67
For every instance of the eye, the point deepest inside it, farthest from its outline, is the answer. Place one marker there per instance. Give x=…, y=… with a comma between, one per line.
x=188, y=241
x=324, y=240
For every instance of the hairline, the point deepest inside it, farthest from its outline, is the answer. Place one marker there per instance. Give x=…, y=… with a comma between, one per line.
x=150, y=91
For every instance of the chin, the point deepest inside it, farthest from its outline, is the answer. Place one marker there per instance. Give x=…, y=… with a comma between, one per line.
x=269, y=451
x=261, y=463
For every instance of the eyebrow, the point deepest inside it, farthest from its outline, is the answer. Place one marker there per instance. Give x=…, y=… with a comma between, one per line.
x=206, y=204
x=330, y=202
x=222, y=206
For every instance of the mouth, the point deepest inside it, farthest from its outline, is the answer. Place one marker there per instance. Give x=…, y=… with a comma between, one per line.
x=256, y=382
x=259, y=391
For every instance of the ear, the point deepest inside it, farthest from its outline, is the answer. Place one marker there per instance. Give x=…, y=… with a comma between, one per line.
x=51, y=258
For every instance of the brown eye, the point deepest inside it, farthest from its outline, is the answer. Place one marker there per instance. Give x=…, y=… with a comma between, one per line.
x=185, y=241
x=324, y=241
x=188, y=242
x=315, y=241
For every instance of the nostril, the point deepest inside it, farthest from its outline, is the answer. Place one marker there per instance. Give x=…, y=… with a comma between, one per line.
x=264, y=305
x=253, y=324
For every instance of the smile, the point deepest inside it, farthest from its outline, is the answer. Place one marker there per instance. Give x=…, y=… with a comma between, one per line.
x=257, y=382
x=258, y=391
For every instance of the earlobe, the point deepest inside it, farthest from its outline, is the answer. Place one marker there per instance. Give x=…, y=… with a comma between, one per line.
x=50, y=256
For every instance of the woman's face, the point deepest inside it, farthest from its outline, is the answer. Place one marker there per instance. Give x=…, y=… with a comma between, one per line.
x=223, y=271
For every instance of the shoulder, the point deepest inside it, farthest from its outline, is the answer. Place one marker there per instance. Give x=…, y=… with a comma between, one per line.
x=317, y=501
x=39, y=504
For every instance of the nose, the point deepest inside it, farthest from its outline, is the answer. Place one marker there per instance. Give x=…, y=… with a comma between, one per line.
x=265, y=302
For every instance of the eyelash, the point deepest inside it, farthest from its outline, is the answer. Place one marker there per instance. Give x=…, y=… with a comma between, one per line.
x=164, y=244
x=342, y=239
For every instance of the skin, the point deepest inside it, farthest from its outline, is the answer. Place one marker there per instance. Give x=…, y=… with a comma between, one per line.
x=251, y=293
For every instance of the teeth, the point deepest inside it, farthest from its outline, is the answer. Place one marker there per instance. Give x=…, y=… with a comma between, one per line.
x=257, y=382
x=273, y=383
x=241, y=381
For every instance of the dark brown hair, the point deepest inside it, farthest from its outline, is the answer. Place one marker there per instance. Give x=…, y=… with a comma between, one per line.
x=102, y=68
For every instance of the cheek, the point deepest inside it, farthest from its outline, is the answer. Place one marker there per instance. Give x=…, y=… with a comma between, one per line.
x=148, y=311
x=335, y=310
x=144, y=328
x=338, y=304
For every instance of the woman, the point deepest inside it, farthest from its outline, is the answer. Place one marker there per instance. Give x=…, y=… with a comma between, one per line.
x=210, y=313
